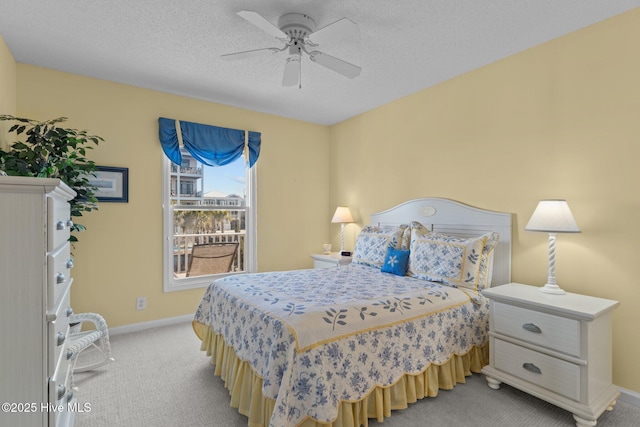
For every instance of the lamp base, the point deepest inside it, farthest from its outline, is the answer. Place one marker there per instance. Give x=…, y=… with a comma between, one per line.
x=550, y=288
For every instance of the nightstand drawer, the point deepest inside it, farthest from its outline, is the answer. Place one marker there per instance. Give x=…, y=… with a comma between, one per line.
x=333, y=259
x=553, y=332
x=324, y=264
x=545, y=371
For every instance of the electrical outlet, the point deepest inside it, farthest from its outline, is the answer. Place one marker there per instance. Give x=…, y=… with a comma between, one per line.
x=141, y=303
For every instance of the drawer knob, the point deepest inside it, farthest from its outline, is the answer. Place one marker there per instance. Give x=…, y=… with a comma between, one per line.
x=69, y=311
x=60, y=225
x=60, y=278
x=70, y=354
x=59, y=338
x=531, y=328
x=61, y=391
x=69, y=223
x=531, y=368
x=70, y=263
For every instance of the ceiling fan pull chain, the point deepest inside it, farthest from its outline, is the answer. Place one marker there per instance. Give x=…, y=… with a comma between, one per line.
x=300, y=74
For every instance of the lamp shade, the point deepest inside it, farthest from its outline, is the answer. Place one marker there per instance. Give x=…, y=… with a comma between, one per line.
x=553, y=216
x=342, y=215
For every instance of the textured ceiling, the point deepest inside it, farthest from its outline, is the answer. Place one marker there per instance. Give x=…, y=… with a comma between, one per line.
x=175, y=45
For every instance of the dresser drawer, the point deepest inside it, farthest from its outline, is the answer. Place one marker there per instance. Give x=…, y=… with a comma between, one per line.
x=59, y=265
x=58, y=222
x=547, y=330
x=58, y=329
x=60, y=392
x=557, y=375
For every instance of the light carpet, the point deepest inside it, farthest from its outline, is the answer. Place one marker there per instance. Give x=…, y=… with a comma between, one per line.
x=161, y=378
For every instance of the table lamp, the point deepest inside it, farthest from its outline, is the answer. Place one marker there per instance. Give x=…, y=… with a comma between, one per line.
x=342, y=216
x=552, y=216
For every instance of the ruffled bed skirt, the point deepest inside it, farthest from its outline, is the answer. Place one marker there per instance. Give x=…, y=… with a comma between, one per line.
x=245, y=387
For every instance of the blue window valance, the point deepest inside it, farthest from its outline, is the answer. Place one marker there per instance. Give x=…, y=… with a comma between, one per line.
x=210, y=145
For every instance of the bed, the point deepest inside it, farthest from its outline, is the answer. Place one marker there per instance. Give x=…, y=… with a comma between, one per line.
x=338, y=346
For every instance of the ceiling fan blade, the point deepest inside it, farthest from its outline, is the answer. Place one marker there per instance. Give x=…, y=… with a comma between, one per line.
x=291, y=76
x=342, y=28
x=261, y=22
x=338, y=65
x=249, y=53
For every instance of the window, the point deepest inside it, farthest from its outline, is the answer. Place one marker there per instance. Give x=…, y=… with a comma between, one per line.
x=186, y=188
x=209, y=224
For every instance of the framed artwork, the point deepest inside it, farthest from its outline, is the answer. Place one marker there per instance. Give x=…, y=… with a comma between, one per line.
x=112, y=184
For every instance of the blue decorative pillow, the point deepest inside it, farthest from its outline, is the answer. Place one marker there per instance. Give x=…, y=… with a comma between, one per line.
x=395, y=262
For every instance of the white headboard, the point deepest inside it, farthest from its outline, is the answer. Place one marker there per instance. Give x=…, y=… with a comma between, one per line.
x=451, y=217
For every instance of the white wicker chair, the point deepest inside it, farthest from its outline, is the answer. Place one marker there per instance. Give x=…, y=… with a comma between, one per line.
x=79, y=341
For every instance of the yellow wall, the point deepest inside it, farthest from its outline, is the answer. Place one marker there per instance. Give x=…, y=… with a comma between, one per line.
x=561, y=120
x=7, y=90
x=119, y=257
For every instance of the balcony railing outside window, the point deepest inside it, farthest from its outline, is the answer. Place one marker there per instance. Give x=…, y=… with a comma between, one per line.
x=186, y=170
x=183, y=194
x=183, y=243
x=200, y=225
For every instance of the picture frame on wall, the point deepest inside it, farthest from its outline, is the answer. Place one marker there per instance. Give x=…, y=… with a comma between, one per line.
x=112, y=184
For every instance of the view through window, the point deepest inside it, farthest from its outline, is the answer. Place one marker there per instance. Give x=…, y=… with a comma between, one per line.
x=208, y=222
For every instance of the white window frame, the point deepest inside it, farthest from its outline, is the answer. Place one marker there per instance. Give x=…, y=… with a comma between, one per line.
x=172, y=284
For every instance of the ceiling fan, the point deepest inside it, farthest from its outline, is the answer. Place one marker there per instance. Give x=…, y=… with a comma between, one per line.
x=298, y=33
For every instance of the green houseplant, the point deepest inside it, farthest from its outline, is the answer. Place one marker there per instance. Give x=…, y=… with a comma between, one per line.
x=51, y=151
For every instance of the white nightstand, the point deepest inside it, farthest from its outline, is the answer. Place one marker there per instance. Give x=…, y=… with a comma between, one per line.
x=334, y=259
x=554, y=347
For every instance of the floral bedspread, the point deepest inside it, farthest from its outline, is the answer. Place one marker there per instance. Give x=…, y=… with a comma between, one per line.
x=321, y=336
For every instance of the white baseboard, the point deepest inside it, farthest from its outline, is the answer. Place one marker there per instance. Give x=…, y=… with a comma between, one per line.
x=135, y=327
x=629, y=396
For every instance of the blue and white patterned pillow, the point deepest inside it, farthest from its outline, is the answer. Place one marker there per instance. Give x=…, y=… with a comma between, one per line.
x=451, y=260
x=372, y=243
x=395, y=262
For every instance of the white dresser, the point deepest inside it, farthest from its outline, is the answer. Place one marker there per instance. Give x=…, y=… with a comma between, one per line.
x=35, y=282
x=555, y=347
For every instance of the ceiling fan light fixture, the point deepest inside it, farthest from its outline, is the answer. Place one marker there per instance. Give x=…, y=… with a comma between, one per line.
x=292, y=68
